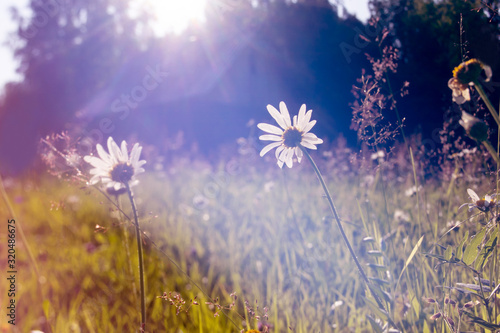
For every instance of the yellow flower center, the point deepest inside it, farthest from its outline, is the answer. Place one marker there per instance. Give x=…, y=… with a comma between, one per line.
x=122, y=173
x=468, y=71
x=485, y=205
x=292, y=137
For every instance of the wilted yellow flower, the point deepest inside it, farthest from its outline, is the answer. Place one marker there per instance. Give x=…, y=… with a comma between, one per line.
x=464, y=75
x=470, y=71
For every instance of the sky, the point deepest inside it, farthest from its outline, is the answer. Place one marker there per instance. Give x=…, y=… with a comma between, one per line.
x=8, y=26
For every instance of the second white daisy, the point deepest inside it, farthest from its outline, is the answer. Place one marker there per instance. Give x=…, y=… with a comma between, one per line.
x=116, y=169
x=290, y=137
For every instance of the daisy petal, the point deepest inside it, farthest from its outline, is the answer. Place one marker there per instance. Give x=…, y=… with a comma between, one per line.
x=473, y=195
x=289, y=158
x=269, y=147
x=312, y=138
x=269, y=137
x=309, y=125
x=307, y=117
x=135, y=154
x=270, y=128
x=285, y=113
x=302, y=114
x=299, y=154
x=114, y=150
x=487, y=71
x=277, y=116
x=308, y=145
x=278, y=151
x=96, y=162
x=102, y=154
x=124, y=152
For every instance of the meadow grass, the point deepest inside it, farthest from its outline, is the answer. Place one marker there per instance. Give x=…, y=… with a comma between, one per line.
x=241, y=225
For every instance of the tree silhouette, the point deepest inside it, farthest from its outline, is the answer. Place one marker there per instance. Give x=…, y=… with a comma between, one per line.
x=68, y=53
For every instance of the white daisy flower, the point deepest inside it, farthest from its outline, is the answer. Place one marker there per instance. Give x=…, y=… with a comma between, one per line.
x=484, y=204
x=290, y=137
x=117, y=168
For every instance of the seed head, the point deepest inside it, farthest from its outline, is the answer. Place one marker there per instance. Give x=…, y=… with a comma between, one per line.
x=474, y=127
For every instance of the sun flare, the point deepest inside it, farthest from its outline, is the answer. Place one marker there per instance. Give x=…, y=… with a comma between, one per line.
x=173, y=15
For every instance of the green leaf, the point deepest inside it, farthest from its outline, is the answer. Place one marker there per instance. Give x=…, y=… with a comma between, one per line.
x=376, y=326
x=481, y=322
x=381, y=293
x=448, y=253
x=379, y=281
x=412, y=254
x=474, y=287
x=462, y=290
x=46, y=306
x=375, y=253
x=381, y=313
x=472, y=250
x=380, y=268
x=414, y=302
x=426, y=328
x=486, y=252
x=460, y=248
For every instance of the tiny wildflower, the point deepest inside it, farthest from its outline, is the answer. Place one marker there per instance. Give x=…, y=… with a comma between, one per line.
x=116, y=168
x=484, y=204
x=410, y=192
x=290, y=137
x=464, y=75
x=336, y=304
x=474, y=127
x=379, y=156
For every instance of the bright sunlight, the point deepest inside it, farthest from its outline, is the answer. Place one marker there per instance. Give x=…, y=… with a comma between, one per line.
x=172, y=15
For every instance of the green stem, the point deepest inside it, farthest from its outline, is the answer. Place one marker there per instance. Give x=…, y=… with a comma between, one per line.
x=141, y=258
x=492, y=151
x=416, y=191
x=486, y=101
x=27, y=246
x=342, y=232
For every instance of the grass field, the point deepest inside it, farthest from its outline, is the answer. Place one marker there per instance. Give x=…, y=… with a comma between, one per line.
x=240, y=229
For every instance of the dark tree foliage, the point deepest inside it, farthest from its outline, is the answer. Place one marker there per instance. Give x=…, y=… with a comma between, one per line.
x=433, y=38
x=86, y=64
x=92, y=70
x=68, y=52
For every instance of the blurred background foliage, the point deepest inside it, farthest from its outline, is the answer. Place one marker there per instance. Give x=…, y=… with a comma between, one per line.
x=85, y=68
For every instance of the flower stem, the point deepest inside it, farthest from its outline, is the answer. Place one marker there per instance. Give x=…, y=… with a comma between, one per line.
x=342, y=232
x=492, y=151
x=487, y=101
x=141, y=258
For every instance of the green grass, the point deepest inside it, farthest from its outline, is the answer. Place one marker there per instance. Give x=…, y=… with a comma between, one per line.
x=240, y=225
